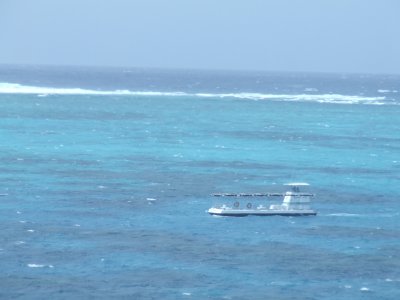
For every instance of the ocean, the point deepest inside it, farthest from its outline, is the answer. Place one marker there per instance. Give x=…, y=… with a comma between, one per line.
x=106, y=176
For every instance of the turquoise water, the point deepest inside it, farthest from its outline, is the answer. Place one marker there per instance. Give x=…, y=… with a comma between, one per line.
x=104, y=195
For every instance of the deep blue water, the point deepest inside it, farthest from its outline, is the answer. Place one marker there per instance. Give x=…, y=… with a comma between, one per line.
x=104, y=191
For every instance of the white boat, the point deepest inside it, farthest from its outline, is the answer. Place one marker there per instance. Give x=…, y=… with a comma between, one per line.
x=295, y=203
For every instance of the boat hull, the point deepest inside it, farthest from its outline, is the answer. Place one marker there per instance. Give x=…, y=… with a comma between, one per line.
x=266, y=212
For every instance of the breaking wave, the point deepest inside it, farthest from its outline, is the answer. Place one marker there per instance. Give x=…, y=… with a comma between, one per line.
x=321, y=98
x=14, y=88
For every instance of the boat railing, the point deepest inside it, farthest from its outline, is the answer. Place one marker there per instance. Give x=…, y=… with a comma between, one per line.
x=261, y=194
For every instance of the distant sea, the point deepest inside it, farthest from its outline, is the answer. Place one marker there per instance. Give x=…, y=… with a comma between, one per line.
x=106, y=176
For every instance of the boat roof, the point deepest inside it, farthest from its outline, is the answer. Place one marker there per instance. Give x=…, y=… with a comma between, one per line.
x=297, y=184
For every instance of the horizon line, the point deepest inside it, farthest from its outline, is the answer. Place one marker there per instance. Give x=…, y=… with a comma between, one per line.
x=194, y=69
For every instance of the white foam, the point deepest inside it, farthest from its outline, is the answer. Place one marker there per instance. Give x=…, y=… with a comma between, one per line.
x=344, y=215
x=347, y=286
x=382, y=91
x=39, y=266
x=365, y=289
x=35, y=266
x=321, y=98
x=14, y=88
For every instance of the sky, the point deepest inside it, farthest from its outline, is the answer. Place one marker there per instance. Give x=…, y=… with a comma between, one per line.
x=351, y=36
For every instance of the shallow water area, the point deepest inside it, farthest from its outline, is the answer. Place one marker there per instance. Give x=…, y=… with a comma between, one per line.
x=105, y=195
